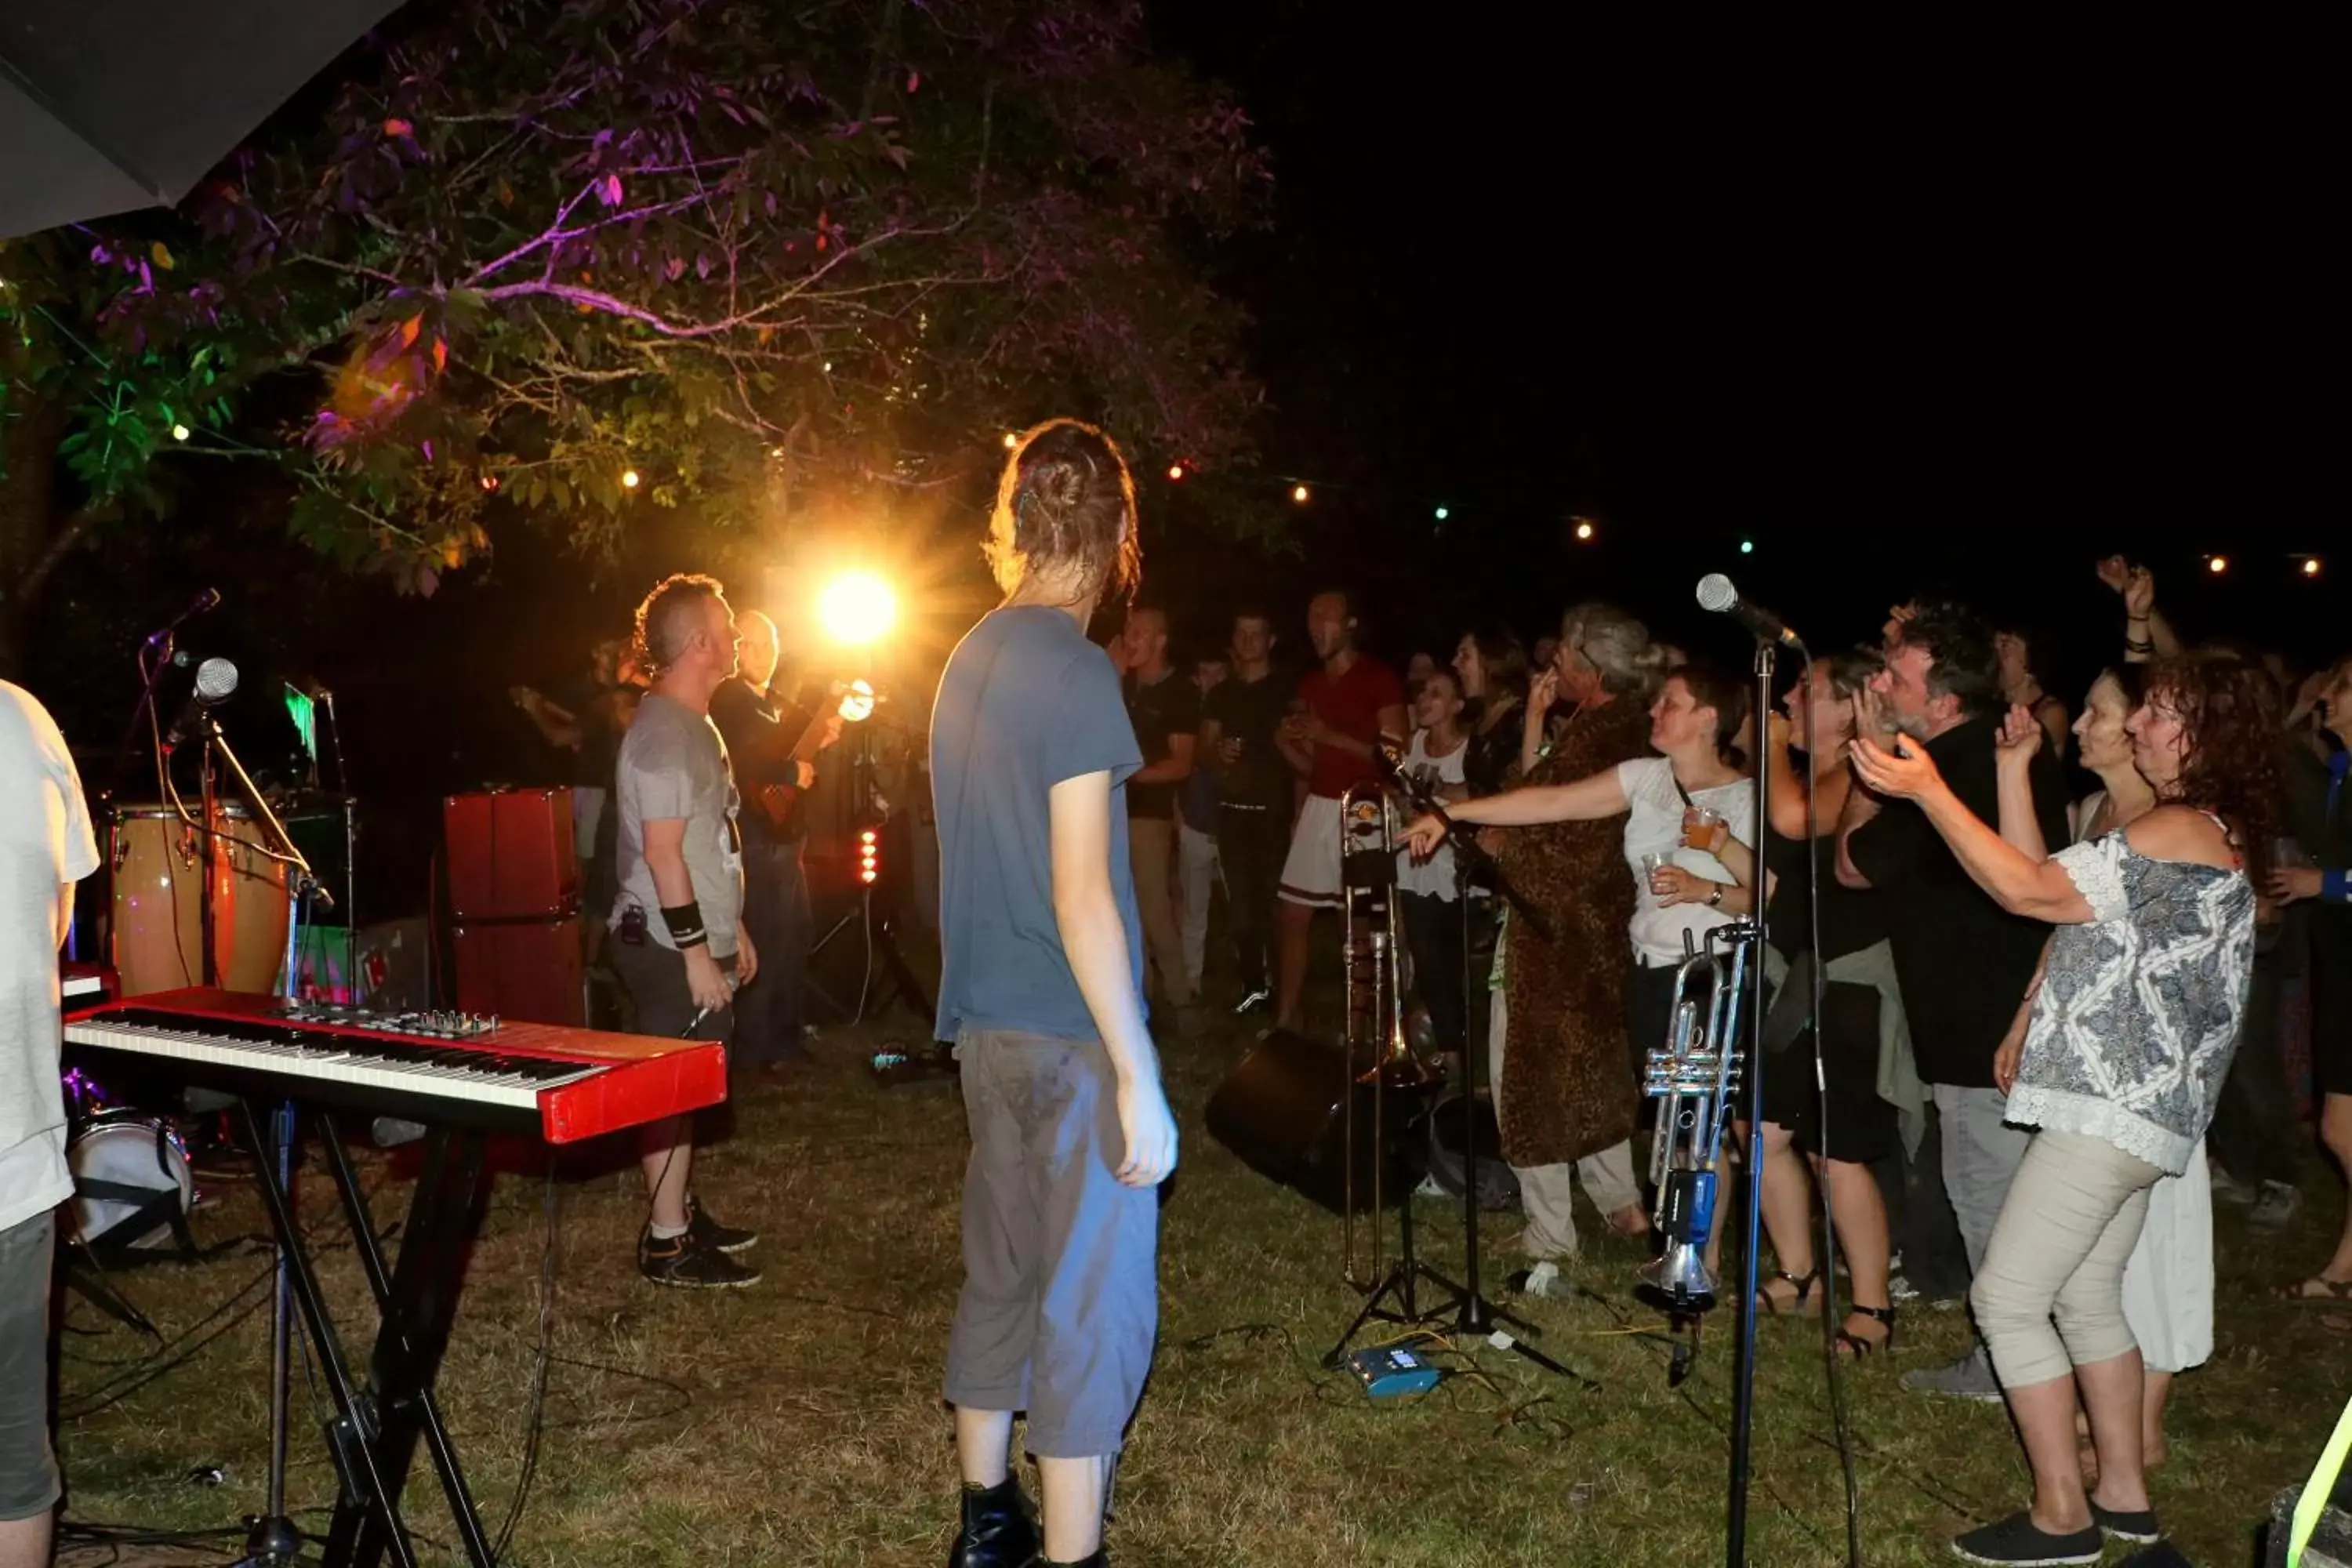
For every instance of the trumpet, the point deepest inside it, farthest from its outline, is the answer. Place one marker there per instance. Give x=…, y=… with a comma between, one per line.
x=1378, y=1055
x=1695, y=1078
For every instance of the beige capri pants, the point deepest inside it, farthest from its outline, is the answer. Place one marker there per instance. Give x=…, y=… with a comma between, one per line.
x=2066, y=1232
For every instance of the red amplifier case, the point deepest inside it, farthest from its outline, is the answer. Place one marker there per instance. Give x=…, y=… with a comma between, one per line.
x=510, y=855
x=522, y=969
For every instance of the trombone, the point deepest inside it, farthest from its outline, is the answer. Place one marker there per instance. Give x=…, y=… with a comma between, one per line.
x=1376, y=1053
x=1695, y=1078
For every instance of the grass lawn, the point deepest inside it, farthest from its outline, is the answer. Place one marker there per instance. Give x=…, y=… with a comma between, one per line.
x=799, y=1422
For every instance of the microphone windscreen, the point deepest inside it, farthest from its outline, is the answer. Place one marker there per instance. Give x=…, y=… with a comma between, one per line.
x=1716, y=593
x=215, y=679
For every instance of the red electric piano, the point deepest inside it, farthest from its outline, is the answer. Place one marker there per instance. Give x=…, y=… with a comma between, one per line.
x=275, y=1062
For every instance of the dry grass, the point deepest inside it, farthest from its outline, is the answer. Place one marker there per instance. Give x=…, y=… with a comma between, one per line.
x=798, y=1422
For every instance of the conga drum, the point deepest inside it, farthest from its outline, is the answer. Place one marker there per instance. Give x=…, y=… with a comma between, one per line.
x=160, y=895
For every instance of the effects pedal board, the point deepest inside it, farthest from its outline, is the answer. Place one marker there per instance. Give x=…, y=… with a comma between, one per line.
x=1390, y=1371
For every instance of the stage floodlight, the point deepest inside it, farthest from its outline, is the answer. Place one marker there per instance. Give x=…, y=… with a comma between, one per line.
x=856, y=608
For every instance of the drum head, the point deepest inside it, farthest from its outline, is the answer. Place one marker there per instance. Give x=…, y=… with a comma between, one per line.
x=122, y=1161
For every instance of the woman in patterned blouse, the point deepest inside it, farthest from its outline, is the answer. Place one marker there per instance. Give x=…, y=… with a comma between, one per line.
x=2131, y=1023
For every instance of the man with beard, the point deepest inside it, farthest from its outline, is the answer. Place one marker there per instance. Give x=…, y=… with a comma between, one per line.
x=1963, y=962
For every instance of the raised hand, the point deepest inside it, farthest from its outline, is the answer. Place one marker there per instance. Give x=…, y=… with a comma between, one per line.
x=2139, y=594
x=2019, y=738
x=1870, y=715
x=1542, y=693
x=1777, y=732
x=2115, y=572
x=1901, y=769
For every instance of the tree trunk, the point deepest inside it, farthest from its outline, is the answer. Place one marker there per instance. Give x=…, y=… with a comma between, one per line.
x=33, y=537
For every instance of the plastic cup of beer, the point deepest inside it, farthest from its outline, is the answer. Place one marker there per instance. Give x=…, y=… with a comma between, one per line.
x=1652, y=864
x=1704, y=830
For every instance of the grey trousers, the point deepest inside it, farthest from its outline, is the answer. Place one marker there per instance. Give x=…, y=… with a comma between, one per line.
x=28, y=1468
x=1980, y=1156
x=1547, y=1193
x=1060, y=1306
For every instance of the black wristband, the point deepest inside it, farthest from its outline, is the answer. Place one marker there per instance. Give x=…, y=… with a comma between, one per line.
x=685, y=922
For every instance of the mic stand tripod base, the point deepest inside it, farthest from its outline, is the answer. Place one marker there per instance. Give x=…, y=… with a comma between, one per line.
x=273, y=1541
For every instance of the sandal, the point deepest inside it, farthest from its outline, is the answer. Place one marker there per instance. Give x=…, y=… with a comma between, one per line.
x=2331, y=1292
x=1770, y=1306
x=1853, y=1345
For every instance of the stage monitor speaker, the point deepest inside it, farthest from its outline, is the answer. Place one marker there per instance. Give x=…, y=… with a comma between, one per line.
x=510, y=855
x=1284, y=1112
x=522, y=969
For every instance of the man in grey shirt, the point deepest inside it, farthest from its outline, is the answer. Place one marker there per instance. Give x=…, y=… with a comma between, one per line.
x=676, y=923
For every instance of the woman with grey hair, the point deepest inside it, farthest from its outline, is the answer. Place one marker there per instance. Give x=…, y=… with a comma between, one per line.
x=1564, y=1097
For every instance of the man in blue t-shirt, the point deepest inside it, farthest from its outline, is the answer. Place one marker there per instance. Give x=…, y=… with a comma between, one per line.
x=1041, y=989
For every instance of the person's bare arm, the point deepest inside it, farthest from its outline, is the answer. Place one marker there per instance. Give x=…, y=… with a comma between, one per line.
x=557, y=724
x=2014, y=746
x=1094, y=940
x=2039, y=890
x=65, y=913
x=674, y=885
x=1587, y=800
x=1176, y=764
x=1860, y=808
x=2011, y=1050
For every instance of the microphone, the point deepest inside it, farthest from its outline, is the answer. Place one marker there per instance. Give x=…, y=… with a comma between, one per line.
x=216, y=683
x=1717, y=594
x=208, y=599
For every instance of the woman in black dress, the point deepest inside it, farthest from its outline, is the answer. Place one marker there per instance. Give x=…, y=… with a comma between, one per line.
x=1493, y=671
x=1859, y=1128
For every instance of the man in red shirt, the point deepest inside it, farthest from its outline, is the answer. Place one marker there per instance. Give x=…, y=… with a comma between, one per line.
x=1348, y=707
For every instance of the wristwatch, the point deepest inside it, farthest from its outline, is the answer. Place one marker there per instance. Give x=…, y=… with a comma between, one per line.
x=1715, y=899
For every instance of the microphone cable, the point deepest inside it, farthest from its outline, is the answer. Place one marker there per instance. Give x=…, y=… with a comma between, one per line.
x=1832, y=1320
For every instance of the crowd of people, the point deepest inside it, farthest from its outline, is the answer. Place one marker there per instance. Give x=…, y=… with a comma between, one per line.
x=2034, y=1008
x=2050, y=1035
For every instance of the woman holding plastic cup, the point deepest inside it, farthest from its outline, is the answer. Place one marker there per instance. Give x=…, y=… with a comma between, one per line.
x=1682, y=810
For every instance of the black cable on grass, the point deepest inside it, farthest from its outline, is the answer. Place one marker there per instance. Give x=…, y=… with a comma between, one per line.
x=537, y=1424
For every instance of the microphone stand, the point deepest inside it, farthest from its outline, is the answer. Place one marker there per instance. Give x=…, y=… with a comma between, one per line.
x=1474, y=1313
x=1743, y=1392
x=273, y=1540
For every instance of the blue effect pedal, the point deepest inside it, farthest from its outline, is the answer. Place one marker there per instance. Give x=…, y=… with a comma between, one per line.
x=1390, y=1371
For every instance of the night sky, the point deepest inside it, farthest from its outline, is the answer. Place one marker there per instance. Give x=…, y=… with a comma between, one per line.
x=1970, y=308
x=1976, y=307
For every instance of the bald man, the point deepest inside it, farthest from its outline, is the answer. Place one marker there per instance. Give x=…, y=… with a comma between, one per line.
x=773, y=746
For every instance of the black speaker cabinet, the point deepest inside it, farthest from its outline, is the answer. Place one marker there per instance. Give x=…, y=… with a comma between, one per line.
x=1284, y=1112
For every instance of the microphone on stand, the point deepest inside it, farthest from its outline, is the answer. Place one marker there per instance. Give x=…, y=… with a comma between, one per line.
x=1717, y=594
x=208, y=599
x=216, y=683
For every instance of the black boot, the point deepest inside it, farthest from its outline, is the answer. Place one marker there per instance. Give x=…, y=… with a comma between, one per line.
x=997, y=1530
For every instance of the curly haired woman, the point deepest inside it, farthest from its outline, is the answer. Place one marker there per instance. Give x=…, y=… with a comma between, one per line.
x=2130, y=1026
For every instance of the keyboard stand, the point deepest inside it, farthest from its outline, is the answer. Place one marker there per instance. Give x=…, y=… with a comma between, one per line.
x=374, y=1436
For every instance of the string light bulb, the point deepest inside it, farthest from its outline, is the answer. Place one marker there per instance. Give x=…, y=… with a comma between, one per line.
x=1583, y=529
x=1175, y=471
x=490, y=483
x=2217, y=564
x=1445, y=513
x=1747, y=547
x=2311, y=565
x=628, y=479
x=180, y=431
x=1012, y=439
x=1298, y=494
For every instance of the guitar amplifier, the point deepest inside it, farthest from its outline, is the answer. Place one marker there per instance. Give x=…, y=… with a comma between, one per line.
x=510, y=855
x=528, y=970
